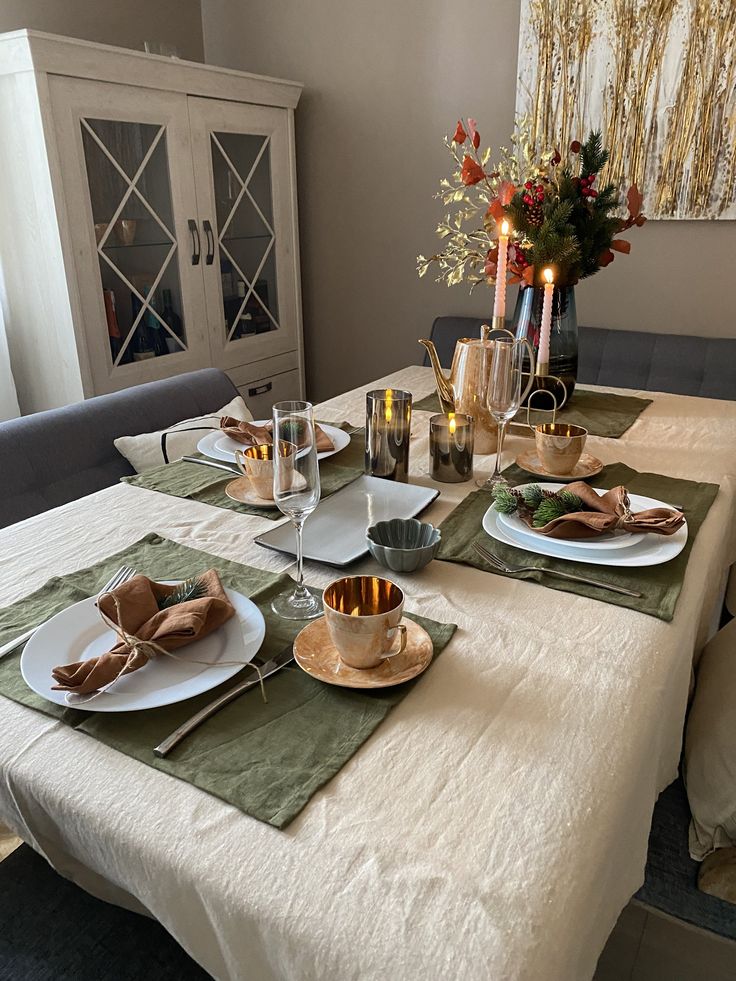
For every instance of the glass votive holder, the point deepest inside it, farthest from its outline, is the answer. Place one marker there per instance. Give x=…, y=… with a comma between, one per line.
x=451, y=448
x=387, y=433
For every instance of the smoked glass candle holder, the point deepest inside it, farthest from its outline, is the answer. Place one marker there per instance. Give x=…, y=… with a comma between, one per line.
x=451, y=448
x=387, y=433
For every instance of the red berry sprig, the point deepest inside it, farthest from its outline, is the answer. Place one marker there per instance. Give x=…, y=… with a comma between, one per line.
x=586, y=186
x=533, y=201
x=517, y=257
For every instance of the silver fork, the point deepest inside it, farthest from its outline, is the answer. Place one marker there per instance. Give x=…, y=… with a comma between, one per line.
x=513, y=570
x=123, y=574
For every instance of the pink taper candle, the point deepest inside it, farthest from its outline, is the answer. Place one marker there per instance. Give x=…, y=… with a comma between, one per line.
x=549, y=287
x=499, y=299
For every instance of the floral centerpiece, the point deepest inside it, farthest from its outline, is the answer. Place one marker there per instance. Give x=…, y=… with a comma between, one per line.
x=560, y=214
x=544, y=221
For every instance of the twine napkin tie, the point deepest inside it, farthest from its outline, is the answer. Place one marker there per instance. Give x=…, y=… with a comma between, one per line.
x=607, y=513
x=147, y=627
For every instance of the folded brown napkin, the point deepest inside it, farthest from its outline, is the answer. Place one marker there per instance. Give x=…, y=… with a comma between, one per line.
x=135, y=607
x=607, y=513
x=251, y=435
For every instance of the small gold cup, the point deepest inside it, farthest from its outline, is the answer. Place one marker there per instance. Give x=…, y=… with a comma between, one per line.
x=256, y=462
x=363, y=616
x=559, y=446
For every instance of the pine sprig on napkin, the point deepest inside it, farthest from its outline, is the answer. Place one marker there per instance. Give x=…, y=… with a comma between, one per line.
x=188, y=589
x=540, y=505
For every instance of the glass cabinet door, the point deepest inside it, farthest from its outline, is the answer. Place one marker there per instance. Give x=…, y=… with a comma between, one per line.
x=134, y=206
x=243, y=182
x=130, y=192
x=241, y=173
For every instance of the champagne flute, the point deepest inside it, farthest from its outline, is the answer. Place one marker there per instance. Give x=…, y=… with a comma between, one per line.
x=504, y=394
x=296, y=491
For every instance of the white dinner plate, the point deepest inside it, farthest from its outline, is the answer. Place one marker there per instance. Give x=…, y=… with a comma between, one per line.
x=218, y=446
x=78, y=633
x=517, y=529
x=652, y=550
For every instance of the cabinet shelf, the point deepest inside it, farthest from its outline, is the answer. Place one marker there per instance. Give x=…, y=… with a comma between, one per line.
x=244, y=238
x=168, y=242
x=135, y=245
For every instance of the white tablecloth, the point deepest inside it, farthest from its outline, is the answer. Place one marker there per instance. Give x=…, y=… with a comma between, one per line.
x=494, y=825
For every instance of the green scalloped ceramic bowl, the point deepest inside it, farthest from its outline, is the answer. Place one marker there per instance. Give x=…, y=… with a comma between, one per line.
x=403, y=544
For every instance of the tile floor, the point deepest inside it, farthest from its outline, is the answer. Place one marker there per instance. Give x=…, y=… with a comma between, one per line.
x=646, y=945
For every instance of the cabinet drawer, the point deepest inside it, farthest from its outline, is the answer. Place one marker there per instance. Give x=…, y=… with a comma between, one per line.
x=260, y=395
x=244, y=374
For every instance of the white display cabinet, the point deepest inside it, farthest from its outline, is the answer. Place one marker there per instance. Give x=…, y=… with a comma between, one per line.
x=148, y=222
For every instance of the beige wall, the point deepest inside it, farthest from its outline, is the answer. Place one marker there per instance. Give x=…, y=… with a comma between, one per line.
x=127, y=23
x=384, y=80
x=676, y=280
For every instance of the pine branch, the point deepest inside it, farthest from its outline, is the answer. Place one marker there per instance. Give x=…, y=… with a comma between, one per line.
x=188, y=589
x=505, y=499
x=571, y=502
x=560, y=213
x=592, y=154
x=533, y=496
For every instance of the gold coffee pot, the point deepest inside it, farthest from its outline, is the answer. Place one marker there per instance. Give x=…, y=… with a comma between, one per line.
x=465, y=389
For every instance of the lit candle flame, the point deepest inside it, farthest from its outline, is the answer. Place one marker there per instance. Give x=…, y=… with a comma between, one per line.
x=549, y=275
x=389, y=399
x=505, y=228
x=453, y=423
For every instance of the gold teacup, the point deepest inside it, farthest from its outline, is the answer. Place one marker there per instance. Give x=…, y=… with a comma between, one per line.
x=559, y=446
x=363, y=616
x=256, y=462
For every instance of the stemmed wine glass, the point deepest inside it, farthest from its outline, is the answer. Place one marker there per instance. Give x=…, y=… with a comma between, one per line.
x=296, y=491
x=504, y=392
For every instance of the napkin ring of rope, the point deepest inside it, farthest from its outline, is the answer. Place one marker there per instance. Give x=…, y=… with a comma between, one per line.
x=627, y=517
x=147, y=649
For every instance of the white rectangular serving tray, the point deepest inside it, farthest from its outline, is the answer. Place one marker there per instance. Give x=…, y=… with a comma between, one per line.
x=335, y=532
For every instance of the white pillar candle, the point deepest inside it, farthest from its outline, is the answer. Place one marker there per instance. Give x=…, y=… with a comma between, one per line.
x=499, y=298
x=549, y=287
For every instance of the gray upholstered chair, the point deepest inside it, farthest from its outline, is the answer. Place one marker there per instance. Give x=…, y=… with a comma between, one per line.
x=53, y=457
x=704, y=366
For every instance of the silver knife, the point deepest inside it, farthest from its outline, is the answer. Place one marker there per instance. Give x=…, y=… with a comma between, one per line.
x=211, y=463
x=252, y=681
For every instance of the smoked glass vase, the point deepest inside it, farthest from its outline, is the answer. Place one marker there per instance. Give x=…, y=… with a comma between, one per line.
x=563, y=341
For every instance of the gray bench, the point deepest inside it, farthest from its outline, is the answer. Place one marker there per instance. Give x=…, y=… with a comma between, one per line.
x=704, y=366
x=53, y=457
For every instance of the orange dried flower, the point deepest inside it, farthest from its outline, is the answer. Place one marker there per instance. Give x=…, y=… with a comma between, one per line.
x=460, y=134
x=471, y=172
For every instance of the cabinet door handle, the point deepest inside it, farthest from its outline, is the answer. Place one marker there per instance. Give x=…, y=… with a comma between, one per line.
x=196, y=245
x=210, y=242
x=260, y=389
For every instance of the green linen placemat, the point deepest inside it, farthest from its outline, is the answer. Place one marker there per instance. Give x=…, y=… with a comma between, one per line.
x=203, y=484
x=267, y=759
x=601, y=413
x=659, y=585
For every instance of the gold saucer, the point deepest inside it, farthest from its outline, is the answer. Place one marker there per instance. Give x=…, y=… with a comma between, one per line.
x=587, y=466
x=315, y=653
x=241, y=491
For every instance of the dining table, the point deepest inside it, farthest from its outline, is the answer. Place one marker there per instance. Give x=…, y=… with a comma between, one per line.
x=492, y=827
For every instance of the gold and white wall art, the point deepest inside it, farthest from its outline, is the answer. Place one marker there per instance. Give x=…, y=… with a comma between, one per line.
x=657, y=77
